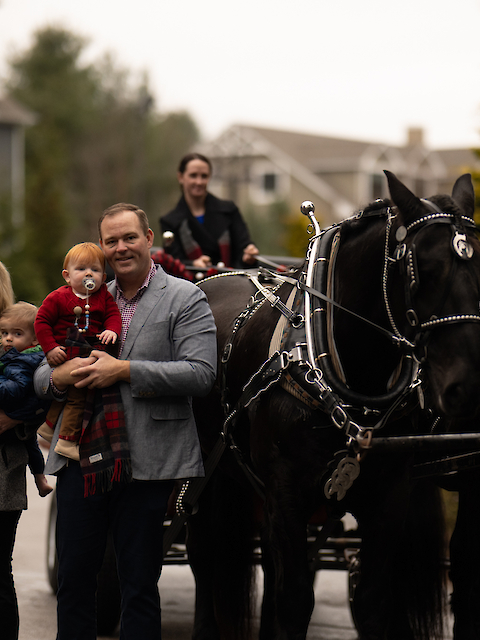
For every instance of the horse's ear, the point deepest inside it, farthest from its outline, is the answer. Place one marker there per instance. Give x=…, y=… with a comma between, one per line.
x=464, y=195
x=407, y=202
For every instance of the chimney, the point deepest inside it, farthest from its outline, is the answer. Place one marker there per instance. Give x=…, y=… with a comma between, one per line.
x=415, y=137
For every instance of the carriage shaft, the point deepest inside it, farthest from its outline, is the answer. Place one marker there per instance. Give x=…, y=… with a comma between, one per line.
x=446, y=442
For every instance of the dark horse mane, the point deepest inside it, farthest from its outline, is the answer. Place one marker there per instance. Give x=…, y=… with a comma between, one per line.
x=362, y=218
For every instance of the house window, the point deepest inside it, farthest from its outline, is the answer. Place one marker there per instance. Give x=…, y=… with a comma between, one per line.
x=269, y=182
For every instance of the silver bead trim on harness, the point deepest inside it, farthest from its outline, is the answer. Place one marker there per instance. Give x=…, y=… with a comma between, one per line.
x=450, y=320
x=436, y=216
x=386, y=263
x=461, y=248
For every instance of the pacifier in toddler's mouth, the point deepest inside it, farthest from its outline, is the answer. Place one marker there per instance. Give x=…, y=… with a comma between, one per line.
x=89, y=284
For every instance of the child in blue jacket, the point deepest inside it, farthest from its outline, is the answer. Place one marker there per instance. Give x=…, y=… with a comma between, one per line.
x=22, y=355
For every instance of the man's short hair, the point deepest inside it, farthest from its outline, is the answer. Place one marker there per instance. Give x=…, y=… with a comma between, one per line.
x=119, y=208
x=87, y=251
x=22, y=312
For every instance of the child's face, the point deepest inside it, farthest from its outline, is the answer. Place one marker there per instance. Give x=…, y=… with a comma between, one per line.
x=18, y=334
x=78, y=271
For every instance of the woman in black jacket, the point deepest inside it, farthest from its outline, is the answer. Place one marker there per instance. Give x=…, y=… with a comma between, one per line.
x=206, y=230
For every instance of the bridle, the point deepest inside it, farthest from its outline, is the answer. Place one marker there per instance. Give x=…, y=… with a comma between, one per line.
x=404, y=256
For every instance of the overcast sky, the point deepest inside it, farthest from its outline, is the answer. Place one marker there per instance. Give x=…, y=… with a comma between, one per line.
x=364, y=69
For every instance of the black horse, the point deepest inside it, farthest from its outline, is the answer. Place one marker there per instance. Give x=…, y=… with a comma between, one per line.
x=380, y=326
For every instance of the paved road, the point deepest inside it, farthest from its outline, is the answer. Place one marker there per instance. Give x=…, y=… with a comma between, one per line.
x=331, y=618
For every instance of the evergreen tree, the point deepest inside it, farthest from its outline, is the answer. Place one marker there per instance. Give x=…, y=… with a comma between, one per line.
x=47, y=79
x=98, y=140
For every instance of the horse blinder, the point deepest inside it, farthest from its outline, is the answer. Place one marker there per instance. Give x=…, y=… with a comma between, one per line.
x=407, y=261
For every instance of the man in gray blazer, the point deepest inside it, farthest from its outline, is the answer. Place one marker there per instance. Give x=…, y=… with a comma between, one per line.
x=167, y=355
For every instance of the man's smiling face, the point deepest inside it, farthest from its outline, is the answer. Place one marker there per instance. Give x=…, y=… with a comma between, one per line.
x=126, y=247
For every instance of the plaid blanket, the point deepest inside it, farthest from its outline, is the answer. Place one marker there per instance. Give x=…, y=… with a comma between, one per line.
x=104, y=451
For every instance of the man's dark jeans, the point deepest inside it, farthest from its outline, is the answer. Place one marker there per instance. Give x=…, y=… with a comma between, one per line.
x=135, y=513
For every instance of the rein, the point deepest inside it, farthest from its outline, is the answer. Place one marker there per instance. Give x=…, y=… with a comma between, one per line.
x=321, y=296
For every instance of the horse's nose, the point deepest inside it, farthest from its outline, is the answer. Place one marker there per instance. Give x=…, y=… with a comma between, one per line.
x=460, y=399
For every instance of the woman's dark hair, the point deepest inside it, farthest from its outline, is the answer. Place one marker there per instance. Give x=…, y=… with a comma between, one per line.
x=193, y=156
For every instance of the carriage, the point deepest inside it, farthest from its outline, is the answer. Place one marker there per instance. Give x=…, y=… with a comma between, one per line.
x=344, y=386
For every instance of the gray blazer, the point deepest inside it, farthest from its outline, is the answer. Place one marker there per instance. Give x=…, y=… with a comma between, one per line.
x=171, y=345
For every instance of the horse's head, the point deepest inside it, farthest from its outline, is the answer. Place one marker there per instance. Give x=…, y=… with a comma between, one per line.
x=432, y=291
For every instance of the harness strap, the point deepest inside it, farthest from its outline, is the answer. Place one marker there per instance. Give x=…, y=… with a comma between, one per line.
x=289, y=384
x=271, y=372
x=325, y=298
x=275, y=301
x=246, y=314
x=268, y=374
x=276, y=340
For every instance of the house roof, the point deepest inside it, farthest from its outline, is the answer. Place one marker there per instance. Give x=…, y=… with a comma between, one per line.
x=11, y=112
x=317, y=152
x=309, y=149
x=459, y=160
